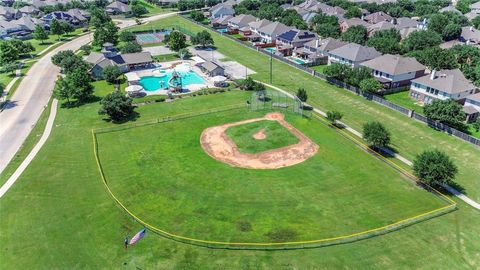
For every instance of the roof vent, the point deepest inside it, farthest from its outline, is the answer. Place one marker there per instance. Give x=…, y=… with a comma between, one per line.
x=432, y=75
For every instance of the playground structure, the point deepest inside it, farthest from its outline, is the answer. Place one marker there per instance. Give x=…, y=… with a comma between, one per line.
x=175, y=82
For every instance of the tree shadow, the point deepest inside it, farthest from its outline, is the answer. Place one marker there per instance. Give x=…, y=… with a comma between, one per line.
x=458, y=187
x=77, y=103
x=131, y=118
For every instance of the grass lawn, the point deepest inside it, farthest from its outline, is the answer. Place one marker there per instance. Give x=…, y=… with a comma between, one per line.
x=154, y=9
x=177, y=186
x=319, y=68
x=166, y=57
x=404, y=99
x=58, y=216
x=409, y=137
x=277, y=136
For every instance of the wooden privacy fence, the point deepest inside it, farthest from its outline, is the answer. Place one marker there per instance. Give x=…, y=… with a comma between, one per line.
x=372, y=97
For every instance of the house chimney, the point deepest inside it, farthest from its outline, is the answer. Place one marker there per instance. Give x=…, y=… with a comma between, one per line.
x=317, y=42
x=471, y=28
x=432, y=75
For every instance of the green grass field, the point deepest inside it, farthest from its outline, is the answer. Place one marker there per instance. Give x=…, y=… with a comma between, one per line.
x=277, y=136
x=59, y=216
x=179, y=188
x=409, y=137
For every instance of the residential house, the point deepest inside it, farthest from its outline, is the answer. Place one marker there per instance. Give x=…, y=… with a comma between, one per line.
x=80, y=17
x=221, y=22
x=471, y=15
x=450, y=9
x=308, y=16
x=21, y=28
x=292, y=39
x=470, y=36
x=270, y=32
x=118, y=7
x=212, y=69
x=395, y=71
x=472, y=107
x=352, y=54
x=344, y=25
x=240, y=21
x=110, y=57
x=442, y=85
x=221, y=10
x=254, y=29
x=381, y=26
x=29, y=10
x=8, y=13
x=316, y=51
x=378, y=17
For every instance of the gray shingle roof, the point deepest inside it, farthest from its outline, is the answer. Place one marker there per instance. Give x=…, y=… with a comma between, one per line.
x=378, y=17
x=448, y=81
x=274, y=29
x=394, y=64
x=260, y=23
x=210, y=66
x=137, y=58
x=242, y=20
x=474, y=97
x=355, y=52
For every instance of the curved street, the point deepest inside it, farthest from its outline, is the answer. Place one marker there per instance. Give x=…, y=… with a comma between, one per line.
x=29, y=100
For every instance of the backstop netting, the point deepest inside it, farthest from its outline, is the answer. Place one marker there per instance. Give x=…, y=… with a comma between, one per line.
x=275, y=100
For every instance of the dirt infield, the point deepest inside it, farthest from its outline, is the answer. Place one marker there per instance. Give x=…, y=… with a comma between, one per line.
x=218, y=145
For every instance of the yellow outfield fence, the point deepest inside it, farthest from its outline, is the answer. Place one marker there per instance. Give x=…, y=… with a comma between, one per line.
x=342, y=239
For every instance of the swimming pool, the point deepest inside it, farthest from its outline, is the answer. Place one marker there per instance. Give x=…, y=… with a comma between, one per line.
x=271, y=50
x=296, y=60
x=160, y=81
x=222, y=30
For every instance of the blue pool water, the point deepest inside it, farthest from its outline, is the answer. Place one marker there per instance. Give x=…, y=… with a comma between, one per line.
x=271, y=50
x=296, y=60
x=223, y=30
x=154, y=83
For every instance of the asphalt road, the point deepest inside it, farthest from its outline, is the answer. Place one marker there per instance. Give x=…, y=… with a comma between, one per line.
x=32, y=96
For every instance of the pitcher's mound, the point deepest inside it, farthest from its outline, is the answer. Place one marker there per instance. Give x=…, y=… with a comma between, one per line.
x=218, y=145
x=261, y=135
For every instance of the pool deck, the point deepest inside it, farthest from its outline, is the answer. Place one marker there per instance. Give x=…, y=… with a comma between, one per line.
x=167, y=65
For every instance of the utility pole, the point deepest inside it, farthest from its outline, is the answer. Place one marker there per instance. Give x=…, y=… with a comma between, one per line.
x=271, y=60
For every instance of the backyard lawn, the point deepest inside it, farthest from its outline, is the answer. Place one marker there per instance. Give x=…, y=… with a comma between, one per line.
x=60, y=207
x=408, y=136
x=319, y=68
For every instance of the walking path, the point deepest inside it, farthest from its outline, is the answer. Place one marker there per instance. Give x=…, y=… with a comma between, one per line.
x=35, y=150
x=450, y=189
x=7, y=89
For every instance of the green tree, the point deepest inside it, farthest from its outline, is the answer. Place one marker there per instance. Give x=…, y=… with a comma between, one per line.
x=437, y=22
x=126, y=36
x=334, y=116
x=250, y=85
x=357, y=75
x=67, y=28
x=356, y=34
x=476, y=22
x=203, y=38
x=436, y=58
x=40, y=34
x=370, y=85
x=10, y=67
x=338, y=71
x=197, y=16
x=463, y=6
x=58, y=57
x=86, y=48
x=98, y=17
x=451, y=31
x=476, y=125
x=62, y=90
x=184, y=54
x=111, y=73
x=302, y=94
x=106, y=33
x=131, y=47
x=56, y=28
x=117, y=106
x=23, y=47
x=386, y=41
x=434, y=167
x=8, y=53
x=423, y=39
x=376, y=134
x=353, y=12
x=138, y=10
x=328, y=30
x=177, y=41
x=80, y=82
x=448, y=112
